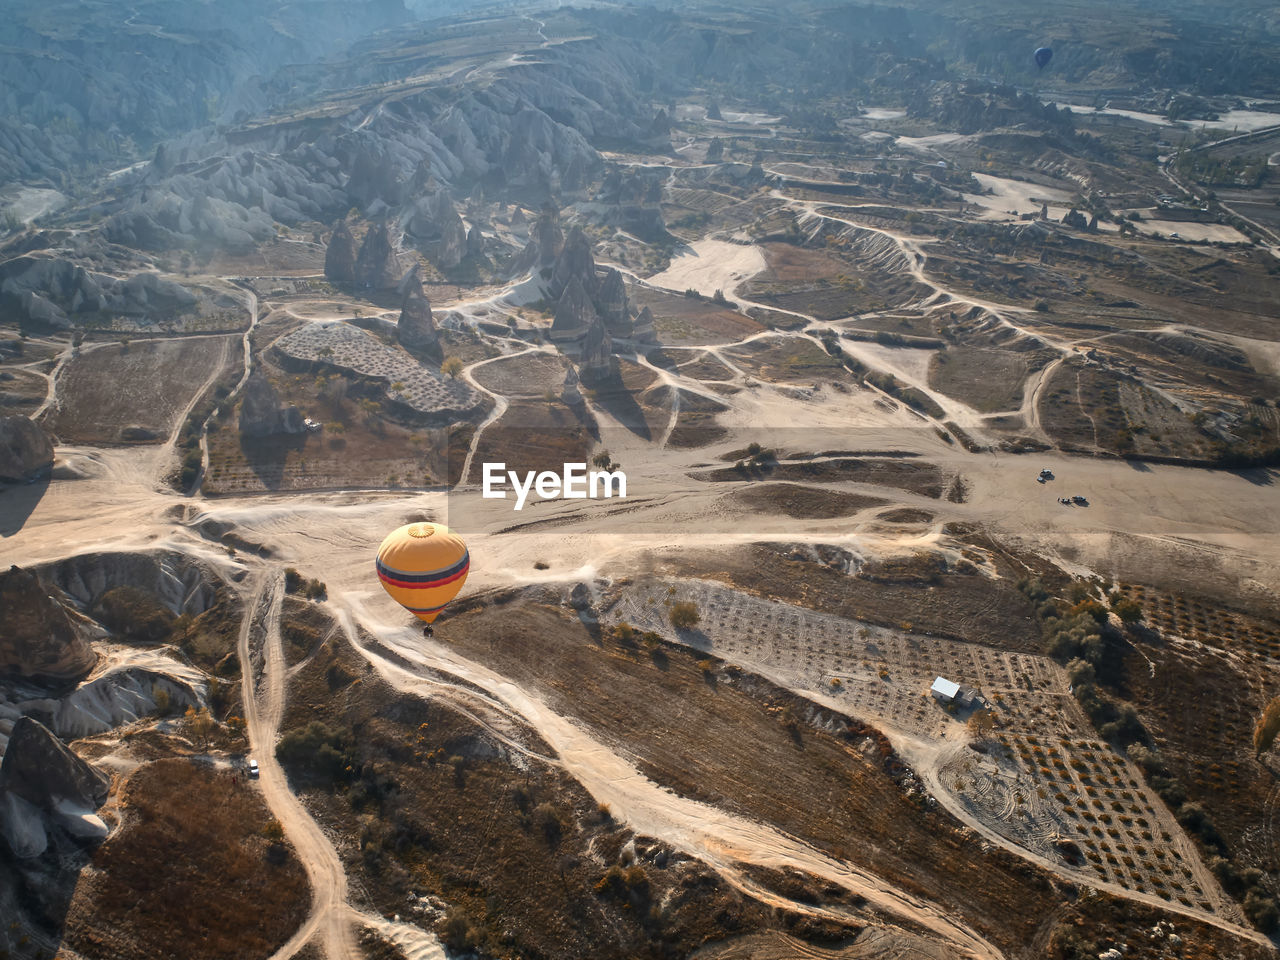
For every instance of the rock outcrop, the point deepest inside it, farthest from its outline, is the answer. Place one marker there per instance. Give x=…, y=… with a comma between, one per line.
x=611, y=304
x=26, y=452
x=574, y=262
x=377, y=266
x=574, y=315
x=39, y=638
x=571, y=390
x=475, y=243
x=596, y=361
x=416, y=329
x=659, y=133
x=52, y=291
x=340, y=255
x=43, y=783
x=547, y=236
x=434, y=224
x=642, y=328
x=1074, y=218
x=262, y=414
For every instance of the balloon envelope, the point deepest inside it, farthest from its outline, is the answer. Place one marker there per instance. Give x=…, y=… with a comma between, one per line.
x=1043, y=56
x=423, y=566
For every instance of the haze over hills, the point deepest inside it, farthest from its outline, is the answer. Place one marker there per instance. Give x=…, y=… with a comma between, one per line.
x=938, y=617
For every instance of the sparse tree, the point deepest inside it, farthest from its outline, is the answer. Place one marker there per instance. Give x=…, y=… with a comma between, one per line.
x=199, y=724
x=981, y=724
x=1128, y=610
x=451, y=367
x=684, y=615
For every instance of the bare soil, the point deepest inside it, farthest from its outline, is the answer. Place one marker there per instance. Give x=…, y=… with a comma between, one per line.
x=109, y=388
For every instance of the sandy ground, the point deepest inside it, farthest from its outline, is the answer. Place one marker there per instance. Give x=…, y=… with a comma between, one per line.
x=882, y=113
x=756, y=119
x=1211, y=232
x=711, y=265
x=1232, y=121
x=1012, y=197
x=30, y=203
x=930, y=144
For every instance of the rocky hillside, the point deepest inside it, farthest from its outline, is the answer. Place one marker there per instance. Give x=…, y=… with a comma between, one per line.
x=40, y=638
x=86, y=84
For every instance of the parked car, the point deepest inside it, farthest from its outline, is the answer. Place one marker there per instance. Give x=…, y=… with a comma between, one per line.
x=253, y=768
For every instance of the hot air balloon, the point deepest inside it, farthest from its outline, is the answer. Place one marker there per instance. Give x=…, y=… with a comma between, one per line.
x=423, y=566
x=1043, y=56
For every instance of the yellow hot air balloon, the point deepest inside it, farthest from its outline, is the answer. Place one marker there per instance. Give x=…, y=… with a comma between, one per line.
x=423, y=566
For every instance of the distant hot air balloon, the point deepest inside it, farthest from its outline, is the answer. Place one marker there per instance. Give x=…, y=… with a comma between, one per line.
x=423, y=566
x=1043, y=56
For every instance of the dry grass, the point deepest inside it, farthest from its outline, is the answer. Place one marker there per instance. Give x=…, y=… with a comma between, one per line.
x=516, y=850
x=534, y=435
x=809, y=503
x=742, y=744
x=527, y=376
x=788, y=360
x=109, y=388
x=789, y=263
x=189, y=867
x=21, y=391
x=987, y=379
x=681, y=319
x=696, y=424
x=921, y=478
x=358, y=447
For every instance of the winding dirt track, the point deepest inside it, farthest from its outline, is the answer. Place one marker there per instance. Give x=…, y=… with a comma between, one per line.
x=725, y=841
x=263, y=707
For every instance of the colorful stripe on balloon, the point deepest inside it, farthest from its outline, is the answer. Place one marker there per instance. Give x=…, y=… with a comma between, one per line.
x=421, y=581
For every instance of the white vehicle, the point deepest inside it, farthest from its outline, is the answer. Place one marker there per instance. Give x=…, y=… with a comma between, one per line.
x=253, y=768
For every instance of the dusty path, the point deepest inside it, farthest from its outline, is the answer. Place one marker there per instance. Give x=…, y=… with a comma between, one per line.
x=500, y=403
x=725, y=841
x=246, y=341
x=263, y=708
x=52, y=378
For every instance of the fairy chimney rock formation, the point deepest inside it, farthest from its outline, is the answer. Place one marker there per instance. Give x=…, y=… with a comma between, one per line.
x=642, y=328
x=377, y=266
x=575, y=262
x=340, y=255
x=417, y=330
x=574, y=314
x=596, y=362
x=26, y=451
x=611, y=304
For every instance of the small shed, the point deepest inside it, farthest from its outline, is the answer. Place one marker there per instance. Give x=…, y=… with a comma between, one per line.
x=944, y=690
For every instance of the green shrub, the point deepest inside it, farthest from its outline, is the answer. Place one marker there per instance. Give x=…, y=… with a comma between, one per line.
x=317, y=752
x=684, y=615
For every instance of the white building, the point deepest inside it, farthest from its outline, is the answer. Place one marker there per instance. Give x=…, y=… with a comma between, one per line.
x=945, y=690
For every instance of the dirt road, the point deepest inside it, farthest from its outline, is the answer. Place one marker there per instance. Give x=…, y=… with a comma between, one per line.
x=330, y=916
